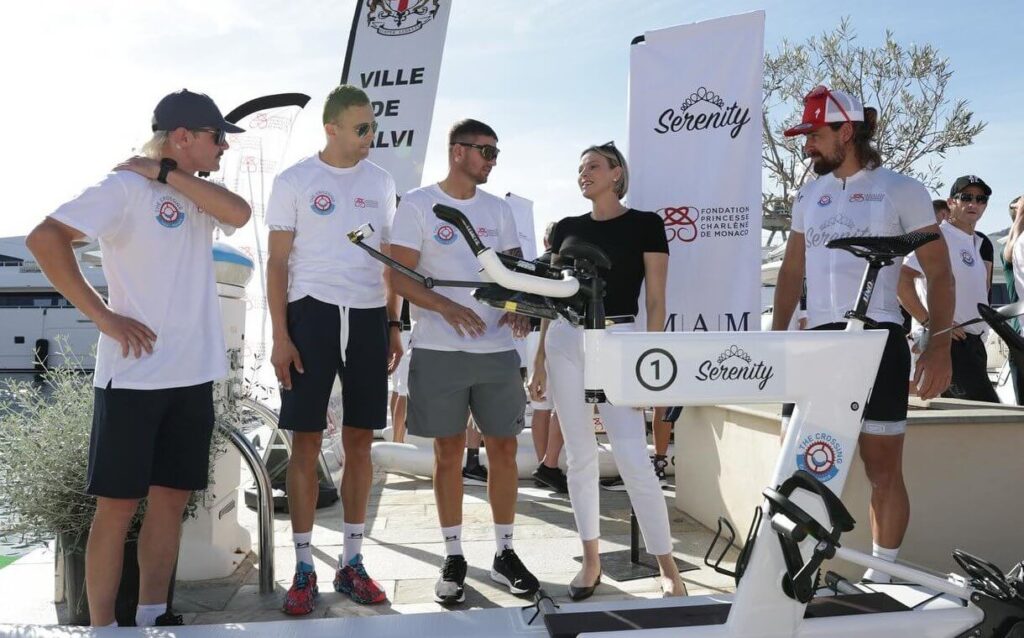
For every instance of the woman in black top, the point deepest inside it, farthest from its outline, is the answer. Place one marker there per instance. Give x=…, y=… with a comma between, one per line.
x=635, y=242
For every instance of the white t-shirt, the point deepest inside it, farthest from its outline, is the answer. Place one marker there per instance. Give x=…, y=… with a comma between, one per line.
x=321, y=204
x=158, y=261
x=969, y=275
x=1018, y=267
x=444, y=254
x=875, y=202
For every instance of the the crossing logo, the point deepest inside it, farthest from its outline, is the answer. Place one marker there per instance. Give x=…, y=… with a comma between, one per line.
x=445, y=234
x=170, y=212
x=322, y=203
x=821, y=454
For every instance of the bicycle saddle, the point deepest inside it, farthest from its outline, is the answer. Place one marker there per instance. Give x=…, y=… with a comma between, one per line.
x=883, y=248
x=1001, y=327
x=574, y=249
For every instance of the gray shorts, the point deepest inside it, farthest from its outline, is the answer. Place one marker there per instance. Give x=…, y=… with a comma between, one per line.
x=444, y=387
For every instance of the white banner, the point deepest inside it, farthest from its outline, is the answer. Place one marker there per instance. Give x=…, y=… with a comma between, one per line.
x=695, y=158
x=248, y=168
x=394, y=54
x=522, y=210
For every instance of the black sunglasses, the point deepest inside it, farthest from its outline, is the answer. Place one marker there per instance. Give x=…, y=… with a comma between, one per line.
x=366, y=127
x=487, y=151
x=220, y=137
x=967, y=198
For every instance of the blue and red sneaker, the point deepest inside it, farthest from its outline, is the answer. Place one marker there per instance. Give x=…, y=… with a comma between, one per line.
x=300, y=599
x=353, y=580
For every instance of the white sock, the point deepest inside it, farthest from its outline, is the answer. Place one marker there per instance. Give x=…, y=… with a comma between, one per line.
x=353, y=543
x=113, y=624
x=885, y=554
x=452, y=540
x=145, y=615
x=303, y=548
x=503, y=536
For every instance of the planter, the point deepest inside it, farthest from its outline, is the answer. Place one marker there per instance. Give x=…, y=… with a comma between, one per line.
x=69, y=596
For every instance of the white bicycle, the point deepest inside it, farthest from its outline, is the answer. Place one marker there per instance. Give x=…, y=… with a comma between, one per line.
x=801, y=520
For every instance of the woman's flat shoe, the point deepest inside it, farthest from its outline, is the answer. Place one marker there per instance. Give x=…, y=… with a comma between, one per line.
x=582, y=593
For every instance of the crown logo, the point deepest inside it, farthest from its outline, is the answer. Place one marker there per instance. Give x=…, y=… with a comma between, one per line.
x=702, y=95
x=734, y=351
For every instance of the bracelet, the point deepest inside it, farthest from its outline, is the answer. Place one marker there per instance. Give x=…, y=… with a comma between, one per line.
x=395, y=324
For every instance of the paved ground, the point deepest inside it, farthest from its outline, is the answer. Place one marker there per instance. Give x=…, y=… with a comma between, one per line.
x=403, y=550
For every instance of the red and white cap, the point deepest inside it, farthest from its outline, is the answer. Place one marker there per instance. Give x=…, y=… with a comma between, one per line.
x=824, y=106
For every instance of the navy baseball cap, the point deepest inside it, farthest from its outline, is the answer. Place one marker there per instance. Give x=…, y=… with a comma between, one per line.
x=185, y=109
x=969, y=180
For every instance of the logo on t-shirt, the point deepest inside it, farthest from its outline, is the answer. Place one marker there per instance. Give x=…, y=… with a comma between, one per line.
x=170, y=212
x=362, y=202
x=486, y=232
x=322, y=203
x=445, y=234
x=966, y=257
x=866, y=197
x=825, y=200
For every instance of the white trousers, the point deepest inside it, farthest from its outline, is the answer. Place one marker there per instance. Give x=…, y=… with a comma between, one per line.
x=626, y=433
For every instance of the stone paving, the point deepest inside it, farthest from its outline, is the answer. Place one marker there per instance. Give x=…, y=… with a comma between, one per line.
x=403, y=551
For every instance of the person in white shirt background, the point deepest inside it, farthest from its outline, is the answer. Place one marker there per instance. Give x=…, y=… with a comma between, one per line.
x=968, y=199
x=161, y=342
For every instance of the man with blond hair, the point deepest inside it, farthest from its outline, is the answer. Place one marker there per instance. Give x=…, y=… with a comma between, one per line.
x=161, y=343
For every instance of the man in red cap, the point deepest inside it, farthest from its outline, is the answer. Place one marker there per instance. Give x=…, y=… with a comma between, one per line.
x=161, y=345
x=854, y=196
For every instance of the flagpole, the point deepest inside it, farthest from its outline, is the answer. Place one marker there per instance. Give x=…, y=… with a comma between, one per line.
x=351, y=42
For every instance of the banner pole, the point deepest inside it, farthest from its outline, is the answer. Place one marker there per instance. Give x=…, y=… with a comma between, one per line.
x=351, y=42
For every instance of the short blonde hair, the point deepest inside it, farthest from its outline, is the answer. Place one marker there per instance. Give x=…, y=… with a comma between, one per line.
x=615, y=160
x=154, y=147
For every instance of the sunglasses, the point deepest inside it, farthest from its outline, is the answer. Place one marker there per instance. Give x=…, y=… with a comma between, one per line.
x=220, y=137
x=967, y=198
x=366, y=127
x=487, y=151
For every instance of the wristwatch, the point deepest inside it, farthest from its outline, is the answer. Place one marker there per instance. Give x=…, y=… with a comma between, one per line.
x=166, y=166
x=395, y=324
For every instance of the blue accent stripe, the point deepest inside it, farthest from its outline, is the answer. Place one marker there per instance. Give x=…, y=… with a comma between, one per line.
x=225, y=253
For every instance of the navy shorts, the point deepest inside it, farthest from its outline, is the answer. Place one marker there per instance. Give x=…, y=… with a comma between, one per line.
x=315, y=328
x=150, y=437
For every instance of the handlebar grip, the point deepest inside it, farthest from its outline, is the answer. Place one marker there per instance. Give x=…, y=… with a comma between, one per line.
x=457, y=218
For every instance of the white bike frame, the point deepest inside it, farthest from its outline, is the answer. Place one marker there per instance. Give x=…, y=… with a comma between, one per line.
x=828, y=375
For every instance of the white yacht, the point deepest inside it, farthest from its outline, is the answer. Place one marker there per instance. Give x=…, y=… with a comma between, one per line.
x=37, y=324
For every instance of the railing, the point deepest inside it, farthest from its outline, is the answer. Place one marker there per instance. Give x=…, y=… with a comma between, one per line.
x=264, y=493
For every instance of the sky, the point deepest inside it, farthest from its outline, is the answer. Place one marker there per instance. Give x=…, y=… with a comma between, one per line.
x=549, y=75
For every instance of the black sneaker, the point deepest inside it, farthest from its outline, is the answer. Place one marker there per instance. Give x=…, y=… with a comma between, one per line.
x=509, y=570
x=448, y=590
x=476, y=475
x=660, y=463
x=613, y=484
x=551, y=477
x=167, y=619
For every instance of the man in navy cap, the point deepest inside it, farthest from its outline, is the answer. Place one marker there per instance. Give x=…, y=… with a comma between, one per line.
x=161, y=344
x=971, y=264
